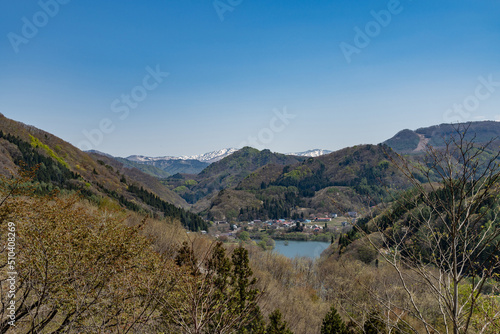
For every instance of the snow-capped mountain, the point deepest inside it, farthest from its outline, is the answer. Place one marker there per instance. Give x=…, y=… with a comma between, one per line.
x=214, y=156
x=311, y=153
x=209, y=157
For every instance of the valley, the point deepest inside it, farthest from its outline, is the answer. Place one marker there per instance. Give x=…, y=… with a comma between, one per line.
x=249, y=167
x=336, y=217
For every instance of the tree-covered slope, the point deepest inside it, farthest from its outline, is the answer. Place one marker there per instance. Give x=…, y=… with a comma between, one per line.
x=226, y=173
x=407, y=141
x=345, y=180
x=98, y=178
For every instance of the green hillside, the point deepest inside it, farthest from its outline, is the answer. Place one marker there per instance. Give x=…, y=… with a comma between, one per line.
x=346, y=180
x=98, y=178
x=226, y=173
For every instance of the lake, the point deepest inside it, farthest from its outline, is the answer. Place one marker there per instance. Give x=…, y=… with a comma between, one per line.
x=312, y=249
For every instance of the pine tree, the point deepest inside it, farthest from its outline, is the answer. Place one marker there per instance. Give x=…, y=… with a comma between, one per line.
x=276, y=325
x=242, y=274
x=185, y=257
x=374, y=325
x=332, y=323
x=225, y=288
x=256, y=326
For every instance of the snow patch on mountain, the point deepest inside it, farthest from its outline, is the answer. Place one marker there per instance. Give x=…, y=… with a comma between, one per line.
x=311, y=153
x=209, y=157
x=215, y=156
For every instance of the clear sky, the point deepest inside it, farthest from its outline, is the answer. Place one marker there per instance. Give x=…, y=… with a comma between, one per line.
x=285, y=75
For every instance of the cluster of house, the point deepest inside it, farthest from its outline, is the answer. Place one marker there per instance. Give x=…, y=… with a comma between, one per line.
x=315, y=224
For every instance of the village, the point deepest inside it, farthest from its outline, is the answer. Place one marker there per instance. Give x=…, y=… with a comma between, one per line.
x=321, y=227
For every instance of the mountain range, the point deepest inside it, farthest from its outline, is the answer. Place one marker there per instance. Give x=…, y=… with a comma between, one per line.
x=225, y=184
x=209, y=157
x=409, y=141
x=165, y=166
x=213, y=156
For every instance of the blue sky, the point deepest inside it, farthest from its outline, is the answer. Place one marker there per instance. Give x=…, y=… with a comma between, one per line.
x=270, y=74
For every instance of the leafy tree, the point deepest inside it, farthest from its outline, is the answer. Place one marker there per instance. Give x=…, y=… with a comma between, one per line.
x=78, y=270
x=244, y=235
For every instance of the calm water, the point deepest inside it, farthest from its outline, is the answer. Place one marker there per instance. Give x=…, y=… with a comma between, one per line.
x=310, y=249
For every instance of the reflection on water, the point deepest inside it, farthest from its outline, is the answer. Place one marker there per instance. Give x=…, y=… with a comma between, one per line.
x=292, y=248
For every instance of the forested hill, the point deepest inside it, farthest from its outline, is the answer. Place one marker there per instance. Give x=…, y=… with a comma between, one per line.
x=346, y=180
x=226, y=173
x=96, y=177
x=409, y=141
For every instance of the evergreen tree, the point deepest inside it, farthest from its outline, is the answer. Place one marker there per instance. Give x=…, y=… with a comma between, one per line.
x=374, y=325
x=225, y=288
x=185, y=257
x=351, y=327
x=242, y=273
x=332, y=323
x=276, y=325
x=256, y=326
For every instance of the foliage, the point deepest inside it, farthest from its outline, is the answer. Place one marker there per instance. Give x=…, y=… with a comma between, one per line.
x=374, y=325
x=217, y=296
x=244, y=236
x=48, y=171
x=276, y=325
x=333, y=323
x=78, y=269
x=266, y=242
x=190, y=220
x=35, y=142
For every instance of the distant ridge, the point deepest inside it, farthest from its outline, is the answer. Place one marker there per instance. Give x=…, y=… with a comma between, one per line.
x=415, y=141
x=100, y=153
x=209, y=157
x=215, y=156
x=311, y=153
